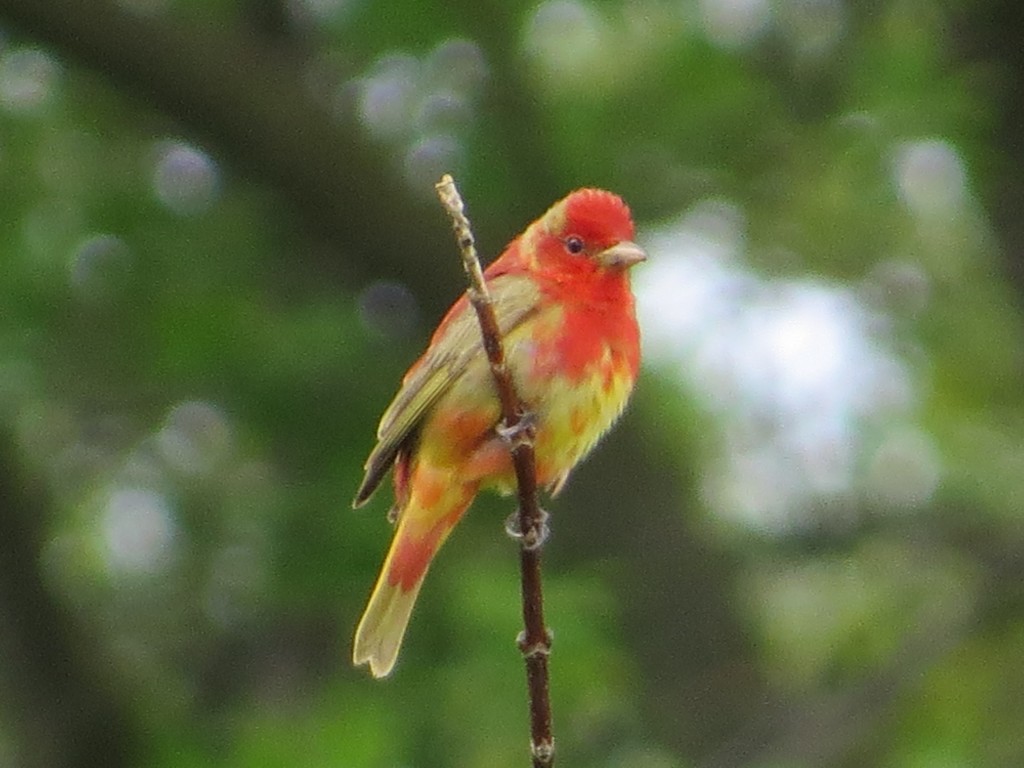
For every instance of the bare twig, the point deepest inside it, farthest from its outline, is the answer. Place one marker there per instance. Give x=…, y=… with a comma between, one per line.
x=529, y=526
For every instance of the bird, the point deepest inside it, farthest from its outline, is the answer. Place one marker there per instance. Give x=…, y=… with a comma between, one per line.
x=566, y=313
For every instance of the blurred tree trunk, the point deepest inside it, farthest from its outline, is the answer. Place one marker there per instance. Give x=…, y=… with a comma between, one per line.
x=989, y=33
x=64, y=716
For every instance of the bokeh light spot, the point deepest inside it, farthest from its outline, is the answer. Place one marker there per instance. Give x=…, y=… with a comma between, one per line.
x=28, y=79
x=185, y=179
x=99, y=268
x=139, y=531
x=195, y=438
x=456, y=65
x=564, y=34
x=735, y=23
x=388, y=98
x=930, y=177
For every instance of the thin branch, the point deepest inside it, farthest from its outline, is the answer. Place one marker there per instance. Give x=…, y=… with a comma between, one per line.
x=529, y=526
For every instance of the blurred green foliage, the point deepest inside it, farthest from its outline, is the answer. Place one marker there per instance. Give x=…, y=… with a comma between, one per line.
x=217, y=258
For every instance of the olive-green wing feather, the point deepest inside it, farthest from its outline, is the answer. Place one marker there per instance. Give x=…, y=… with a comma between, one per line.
x=457, y=342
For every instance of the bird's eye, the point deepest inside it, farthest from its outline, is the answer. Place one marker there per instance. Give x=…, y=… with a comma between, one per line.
x=574, y=244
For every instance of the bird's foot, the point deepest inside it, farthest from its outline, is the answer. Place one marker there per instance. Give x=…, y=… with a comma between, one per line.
x=534, y=537
x=519, y=433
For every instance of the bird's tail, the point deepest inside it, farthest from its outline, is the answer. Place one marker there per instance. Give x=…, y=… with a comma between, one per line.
x=419, y=535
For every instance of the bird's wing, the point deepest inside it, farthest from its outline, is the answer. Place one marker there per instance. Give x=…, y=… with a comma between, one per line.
x=455, y=344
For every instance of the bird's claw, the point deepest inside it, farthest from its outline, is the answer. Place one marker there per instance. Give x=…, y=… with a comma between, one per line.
x=519, y=433
x=533, y=538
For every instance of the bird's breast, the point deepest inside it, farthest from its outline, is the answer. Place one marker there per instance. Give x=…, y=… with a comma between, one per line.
x=576, y=374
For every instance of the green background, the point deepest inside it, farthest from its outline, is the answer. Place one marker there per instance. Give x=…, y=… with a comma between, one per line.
x=220, y=249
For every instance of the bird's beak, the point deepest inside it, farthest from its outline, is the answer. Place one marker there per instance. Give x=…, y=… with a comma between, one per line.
x=622, y=255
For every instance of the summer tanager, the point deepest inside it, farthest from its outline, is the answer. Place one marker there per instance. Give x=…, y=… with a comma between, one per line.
x=565, y=310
